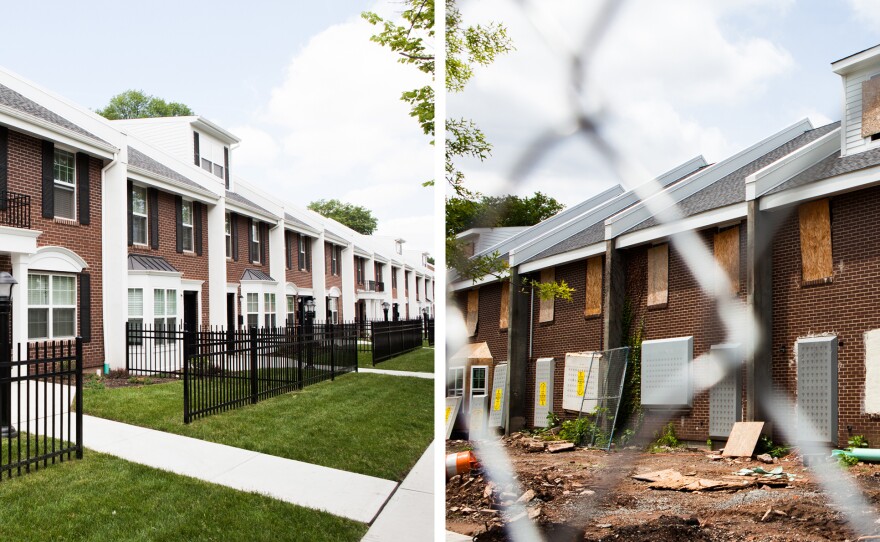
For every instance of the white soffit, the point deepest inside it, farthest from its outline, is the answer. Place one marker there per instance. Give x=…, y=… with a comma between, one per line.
x=716, y=217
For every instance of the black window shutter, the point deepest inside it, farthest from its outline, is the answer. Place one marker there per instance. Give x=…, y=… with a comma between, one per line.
x=250, y=228
x=48, y=194
x=288, y=244
x=130, y=217
x=299, y=254
x=197, y=226
x=153, y=216
x=82, y=186
x=308, y=244
x=233, y=219
x=264, y=241
x=226, y=165
x=178, y=217
x=4, y=165
x=85, y=307
x=196, y=148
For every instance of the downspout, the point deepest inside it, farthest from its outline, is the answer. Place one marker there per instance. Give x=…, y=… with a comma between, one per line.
x=531, y=319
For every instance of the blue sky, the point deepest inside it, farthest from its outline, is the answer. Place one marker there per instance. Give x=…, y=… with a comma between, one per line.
x=314, y=101
x=676, y=79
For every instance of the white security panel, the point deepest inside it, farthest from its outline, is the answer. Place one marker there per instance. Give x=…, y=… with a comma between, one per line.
x=498, y=399
x=725, y=393
x=666, y=372
x=581, y=382
x=477, y=417
x=544, y=371
x=817, y=388
x=872, y=371
x=453, y=404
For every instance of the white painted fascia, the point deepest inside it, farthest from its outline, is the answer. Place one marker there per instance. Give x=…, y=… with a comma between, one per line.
x=191, y=284
x=642, y=211
x=249, y=212
x=379, y=258
x=258, y=282
x=18, y=241
x=566, y=257
x=335, y=239
x=358, y=251
x=468, y=284
x=166, y=184
x=43, y=129
x=154, y=273
x=299, y=228
x=856, y=61
x=715, y=217
x=771, y=176
x=847, y=182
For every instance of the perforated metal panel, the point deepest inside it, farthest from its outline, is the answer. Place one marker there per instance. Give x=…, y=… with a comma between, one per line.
x=498, y=398
x=477, y=417
x=544, y=370
x=666, y=372
x=817, y=388
x=453, y=404
x=725, y=396
x=581, y=381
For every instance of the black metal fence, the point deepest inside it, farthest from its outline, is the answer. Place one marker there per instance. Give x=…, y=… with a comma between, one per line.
x=225, y=369
x=41, y=406
x=15, y=209
x=390, y=339
x=429, y=331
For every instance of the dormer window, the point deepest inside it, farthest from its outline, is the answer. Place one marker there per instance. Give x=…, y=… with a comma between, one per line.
x=398, y=246
x=211, y=156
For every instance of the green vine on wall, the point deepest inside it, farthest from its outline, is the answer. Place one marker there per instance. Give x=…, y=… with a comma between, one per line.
x=631, y=402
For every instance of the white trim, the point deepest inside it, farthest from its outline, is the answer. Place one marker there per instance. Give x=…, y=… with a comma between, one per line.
x=468, y=284
x=250, y=212
x=57, y=259
x=566, y=257
x=190, y=285
x=169, y=185
x=855, y=62
x=232, y=288
x=720, y=216
x=154, y=273
x=847, y=182
x=305, y=292
x=43, y=129
x=248, y=282
x=18, y=240
x=334, y=292
x=290, y=289
x=771, y=176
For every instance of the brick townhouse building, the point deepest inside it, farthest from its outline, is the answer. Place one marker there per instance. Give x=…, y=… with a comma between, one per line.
x=151, y=211
x=790, y=227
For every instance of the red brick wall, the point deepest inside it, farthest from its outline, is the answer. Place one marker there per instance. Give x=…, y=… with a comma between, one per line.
x=689, y=311
x=235, y=269
x=25, y=158
x=847, y=306
x=193, y=266
x=331, y=280
x=302, y=279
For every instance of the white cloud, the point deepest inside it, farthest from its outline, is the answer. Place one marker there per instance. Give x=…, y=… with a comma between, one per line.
x=867, y=11
x=257, y=146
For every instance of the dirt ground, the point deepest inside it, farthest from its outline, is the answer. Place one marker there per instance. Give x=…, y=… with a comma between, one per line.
x=590, y=495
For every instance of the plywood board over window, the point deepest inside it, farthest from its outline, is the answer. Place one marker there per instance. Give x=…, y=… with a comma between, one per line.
x=727, y=259
x=473, y=312
x=547, y=305
x=593, y=305
x=505, y=305
x=871, y=107
x=815, y=227
x=658, y=275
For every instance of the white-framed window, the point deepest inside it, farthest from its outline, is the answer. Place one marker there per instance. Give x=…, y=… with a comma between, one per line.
x=269, y=310
x=479, y=381
x=164, y=311
x=212, y=156
x=228, y=236
x=187, y=220
x=455, y=382
x=139, y=215
x=333, y=310
x=291, y=310
x=398, y=247
x=304, y=247
x=253, y=310
x=51, y=306
x=135, y=313
x=334, y=260
x=361, y=271
x=393, y=278
x=65, y=184
x=255, y=244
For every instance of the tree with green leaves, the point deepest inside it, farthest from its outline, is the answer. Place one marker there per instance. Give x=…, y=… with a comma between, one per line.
x=356, y=217
x=136, y=104
x=498, y=211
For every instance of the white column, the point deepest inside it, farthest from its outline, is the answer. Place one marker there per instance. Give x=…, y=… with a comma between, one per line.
x=278, y=268
x=411, y=301
x=319, y=278
x=20, y=264
x=217, y=263
x=348, y=300
x=115, y=259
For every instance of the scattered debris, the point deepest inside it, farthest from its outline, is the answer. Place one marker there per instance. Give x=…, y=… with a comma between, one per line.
x=775, y=474
x=526, y=497
x=765, y=458
x=743, y=439
x=560, y=447
x=674, y=480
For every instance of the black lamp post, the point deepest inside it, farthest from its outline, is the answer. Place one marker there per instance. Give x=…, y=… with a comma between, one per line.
x=385, y=306
x=310, y=329
x=7, y=281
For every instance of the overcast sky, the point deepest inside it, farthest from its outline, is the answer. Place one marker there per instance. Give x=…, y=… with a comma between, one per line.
x=676, y=79
x=315, y=102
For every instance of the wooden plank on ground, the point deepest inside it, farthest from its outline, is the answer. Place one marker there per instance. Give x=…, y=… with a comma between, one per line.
x=743, y=439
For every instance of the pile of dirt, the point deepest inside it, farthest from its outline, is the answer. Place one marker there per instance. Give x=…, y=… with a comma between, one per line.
x=666, y=528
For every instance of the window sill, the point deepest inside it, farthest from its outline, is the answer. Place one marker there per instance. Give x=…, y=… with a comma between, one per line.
x=65, y=221
x=816, y=282
x=658, y=306
x=593, y=316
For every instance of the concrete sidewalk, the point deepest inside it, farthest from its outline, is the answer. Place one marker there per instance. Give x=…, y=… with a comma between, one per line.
x=429, y=376
x=347, y=494
x=409, y=514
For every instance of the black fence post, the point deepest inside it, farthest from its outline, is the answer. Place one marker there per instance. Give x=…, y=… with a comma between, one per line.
x=254, y=388
x=79, y=398
x=300, y=349
x=187, y=417
x=127, y=349
x=332, y=352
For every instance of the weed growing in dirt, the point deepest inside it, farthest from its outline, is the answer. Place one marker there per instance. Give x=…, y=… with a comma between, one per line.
x=94, y=382
x=665, y=439
x=552, y=420
x=857, y=441
x=766, y=446
x=845, y=460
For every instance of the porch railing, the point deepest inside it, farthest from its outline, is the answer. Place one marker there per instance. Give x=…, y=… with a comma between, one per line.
x=15, y=210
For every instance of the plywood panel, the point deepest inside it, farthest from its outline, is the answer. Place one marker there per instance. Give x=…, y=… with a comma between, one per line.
x=473, y=312
x=505, y=305
x=547, y=305
x=658, y=275
x=593, y=304
x=871, y=107
x=727, y=258
x=815, y=229
x=743, y=439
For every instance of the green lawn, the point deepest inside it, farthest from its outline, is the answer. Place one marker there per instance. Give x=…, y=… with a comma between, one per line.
x=102, y=498
x=372, y=424
x=420, y=360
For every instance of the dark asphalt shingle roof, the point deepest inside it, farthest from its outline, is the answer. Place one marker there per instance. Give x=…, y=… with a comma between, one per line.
x=244, y=202
x=142, y=262
x=290, y=218
x=255, y=274
x=731, y=188
x=15, y=100
x=831, y=167
x=140, y=160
